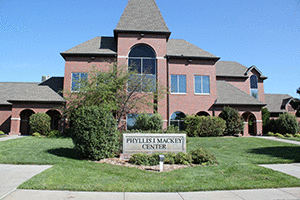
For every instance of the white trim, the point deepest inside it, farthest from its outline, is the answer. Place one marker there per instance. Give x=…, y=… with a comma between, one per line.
x=259, y=121
x=158, y=58
x=19, y=119
x=245, y=122
x=165, y=120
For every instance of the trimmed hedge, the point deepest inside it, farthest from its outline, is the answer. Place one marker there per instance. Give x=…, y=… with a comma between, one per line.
x=94, y=133
x=146, y=122
x=234, y=122
x=197, y=156
x=204, y=126
x=285, y=124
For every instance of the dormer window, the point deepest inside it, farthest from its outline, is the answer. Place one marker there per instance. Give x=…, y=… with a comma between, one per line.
x=254, y=86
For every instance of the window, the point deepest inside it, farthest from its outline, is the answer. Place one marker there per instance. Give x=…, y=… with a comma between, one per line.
x=177, y=120
x=142, y=60
x=76, y=79
x=202, y=85
x=178, y=84
x=254, y=86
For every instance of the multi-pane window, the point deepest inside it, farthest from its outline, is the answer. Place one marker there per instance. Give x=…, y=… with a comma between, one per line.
x=177, y=120
x=178, y=83
x=254, y=86
x=142, y=61
x=77, y=78
x=202, y=85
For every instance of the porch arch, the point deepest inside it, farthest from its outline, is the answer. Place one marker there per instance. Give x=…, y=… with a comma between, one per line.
x=202, y=113
x=250, y=123
x=55, y=118
x=24, y=124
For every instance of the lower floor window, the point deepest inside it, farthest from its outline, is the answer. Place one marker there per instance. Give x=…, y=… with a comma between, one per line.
x=177, y=120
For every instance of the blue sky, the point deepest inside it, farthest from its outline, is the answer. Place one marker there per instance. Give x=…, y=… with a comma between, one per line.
x=264, y=33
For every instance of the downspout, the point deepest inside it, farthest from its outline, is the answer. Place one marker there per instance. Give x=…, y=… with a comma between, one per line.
x=168, y=93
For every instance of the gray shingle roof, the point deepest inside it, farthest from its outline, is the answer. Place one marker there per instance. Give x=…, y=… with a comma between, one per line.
x=27, y=92
x=142, y=15
x=55, y=83
x=277, y=102
x=234, y=69
x=227, y=94
x=97, y=45
x=183, y=48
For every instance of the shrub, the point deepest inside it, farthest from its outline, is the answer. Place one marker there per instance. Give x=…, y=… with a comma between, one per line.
x=169, y=158
x=53, y=133
x=287, y=123
x=234, y=122
x=146, y=122
x=204, y=126
x=297, y=135
x=203, y=156
x=139, y=159
x=94, y=133
x=36, y=134
x=271, y=126
x=2, y=133
x=40, y=122
x=279, y=135
x=270, y=134
x=183, y=158
x=67, y=132
x=172, y=129
x=265, y=118
x=288, y=135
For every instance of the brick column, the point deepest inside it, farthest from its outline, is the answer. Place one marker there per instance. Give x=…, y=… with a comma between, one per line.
x=15, y=126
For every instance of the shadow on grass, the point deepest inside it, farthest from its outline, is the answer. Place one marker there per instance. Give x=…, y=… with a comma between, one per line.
x=66, y=152
x=291, y=153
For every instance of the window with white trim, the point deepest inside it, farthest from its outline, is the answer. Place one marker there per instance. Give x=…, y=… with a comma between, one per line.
x=178, y=84
x=77, y=77
x=202, y=84
x=142, y=60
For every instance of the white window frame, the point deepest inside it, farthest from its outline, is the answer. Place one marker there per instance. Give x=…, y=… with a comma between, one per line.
x=177, y=75
x=201, y=85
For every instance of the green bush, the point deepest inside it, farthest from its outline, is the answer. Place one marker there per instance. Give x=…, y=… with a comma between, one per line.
x=95, y=133
x=234, y=122
x=183, y=158
x=169, y=158
x=279, y=135
x=2, y=133
x=53, y=133
x=289, y=135
x=270, y=134
x=146, y=122
x=40, y=122
x=265, y=118
x=287, y=123
x=204, y=126
x=36, y=134
x=203, y=156
x=67, y=132
x=297, y=135
x=140, y=159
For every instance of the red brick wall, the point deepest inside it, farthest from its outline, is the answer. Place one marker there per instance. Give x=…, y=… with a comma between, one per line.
x=84, y=64
x=5, y=118
x=191, y=103
x=159, y=44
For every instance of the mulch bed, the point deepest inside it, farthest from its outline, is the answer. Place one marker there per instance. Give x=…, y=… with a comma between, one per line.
x=122, y=162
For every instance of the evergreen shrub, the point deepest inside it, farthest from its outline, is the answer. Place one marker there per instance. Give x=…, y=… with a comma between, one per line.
x=287, y=123
x=234, y=122
x=94, y=133
x=53, y=133
x=204, y=126
x=40, y=122
x=36, y=134
x=147, y=122
x=203, y=156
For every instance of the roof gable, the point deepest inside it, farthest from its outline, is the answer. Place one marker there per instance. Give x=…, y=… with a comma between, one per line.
x=277, y=103
x=142, y=15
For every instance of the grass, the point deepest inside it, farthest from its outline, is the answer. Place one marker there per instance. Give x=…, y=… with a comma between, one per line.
x=237, y=168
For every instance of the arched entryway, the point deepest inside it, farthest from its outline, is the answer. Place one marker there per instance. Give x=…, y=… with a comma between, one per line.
x=202, y=113
x=24, y=125
x=55, y=118
x=177, y=120
x=250, y=123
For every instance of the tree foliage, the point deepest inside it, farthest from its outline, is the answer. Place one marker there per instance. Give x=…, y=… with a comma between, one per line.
x=234, y=122
x=40, y=122
x=116, y=90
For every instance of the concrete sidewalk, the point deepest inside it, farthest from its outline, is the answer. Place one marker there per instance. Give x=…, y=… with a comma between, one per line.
x=260, y=194
x=10, y=137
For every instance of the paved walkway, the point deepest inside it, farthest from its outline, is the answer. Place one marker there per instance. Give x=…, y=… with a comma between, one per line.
x=13, y=175
x=9, y=137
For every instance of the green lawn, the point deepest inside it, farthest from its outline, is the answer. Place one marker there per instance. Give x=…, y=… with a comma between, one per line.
x=237, y=168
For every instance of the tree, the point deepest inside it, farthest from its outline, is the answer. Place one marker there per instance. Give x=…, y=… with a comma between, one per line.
x=116, y=90
x=265, y=118
x=40, y=122
x=234, y=122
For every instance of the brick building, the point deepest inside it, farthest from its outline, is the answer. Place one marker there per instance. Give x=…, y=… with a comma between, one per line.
x=198, y=82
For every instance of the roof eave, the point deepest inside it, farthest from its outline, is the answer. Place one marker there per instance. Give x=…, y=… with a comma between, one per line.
x=193, y=57
x=64, y=55
x=117, y=31
x=41, y=101
x=239, y=104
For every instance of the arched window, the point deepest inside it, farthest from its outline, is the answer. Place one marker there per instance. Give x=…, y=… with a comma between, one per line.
x=177, y=120
x=254, y=86
x=142, y=61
